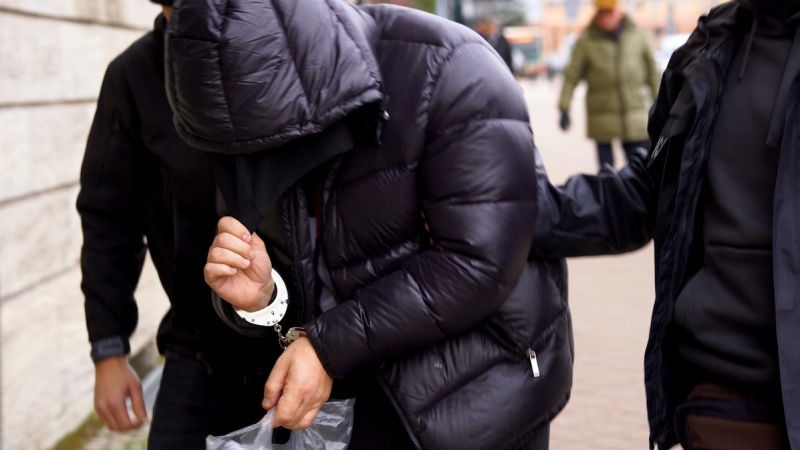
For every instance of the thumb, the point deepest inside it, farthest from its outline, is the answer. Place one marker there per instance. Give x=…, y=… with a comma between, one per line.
x=137, y=401
x=274, y=385
x=256, y=241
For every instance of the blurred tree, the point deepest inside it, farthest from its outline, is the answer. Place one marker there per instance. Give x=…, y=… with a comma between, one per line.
x=425, y=5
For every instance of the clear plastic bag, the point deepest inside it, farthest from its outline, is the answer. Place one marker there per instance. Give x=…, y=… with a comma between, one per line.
x=331, y=430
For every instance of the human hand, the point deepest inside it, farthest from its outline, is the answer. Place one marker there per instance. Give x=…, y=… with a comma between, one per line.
x=238, y=267
x=115, y=381
x=298, y=385
x=564, y=122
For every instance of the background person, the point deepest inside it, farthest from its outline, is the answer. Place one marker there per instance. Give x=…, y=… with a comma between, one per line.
x=491, y=31
x=613, y=56
x=718, y=194
x=143, y=188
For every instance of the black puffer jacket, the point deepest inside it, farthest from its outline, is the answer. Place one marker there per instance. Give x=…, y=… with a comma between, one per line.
x=451, y=318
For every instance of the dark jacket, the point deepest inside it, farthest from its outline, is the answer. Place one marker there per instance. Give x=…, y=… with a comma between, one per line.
x=140, y=181
x=502, y=47
x=451, y=318
x=658, y=197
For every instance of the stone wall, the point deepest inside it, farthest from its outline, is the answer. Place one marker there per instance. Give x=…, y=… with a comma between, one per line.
x=53, y=55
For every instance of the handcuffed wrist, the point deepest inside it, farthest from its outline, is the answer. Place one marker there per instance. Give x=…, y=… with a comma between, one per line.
x=275, y=309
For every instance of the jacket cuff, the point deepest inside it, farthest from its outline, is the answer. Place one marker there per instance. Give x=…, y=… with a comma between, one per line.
x=110, y=346
x=229, y=316
x=340, y=340
x=312, y=331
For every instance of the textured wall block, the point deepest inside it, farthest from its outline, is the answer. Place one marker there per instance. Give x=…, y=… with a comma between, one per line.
x=132, y=13
x=48, y=378
x=44, y=60
x=39, y=237
x=42, y=147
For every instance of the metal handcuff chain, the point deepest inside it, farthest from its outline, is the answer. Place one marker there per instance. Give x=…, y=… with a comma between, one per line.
x=292, y=335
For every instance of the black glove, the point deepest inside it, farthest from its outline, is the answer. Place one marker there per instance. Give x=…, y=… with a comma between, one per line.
x=564, y=122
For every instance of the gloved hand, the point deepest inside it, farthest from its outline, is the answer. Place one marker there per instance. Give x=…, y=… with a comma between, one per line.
x=564, y=121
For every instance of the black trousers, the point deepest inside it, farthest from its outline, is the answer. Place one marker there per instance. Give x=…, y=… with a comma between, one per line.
x=605, y=155
x=192, y=404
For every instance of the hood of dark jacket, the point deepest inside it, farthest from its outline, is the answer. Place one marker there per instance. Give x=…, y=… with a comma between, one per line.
x=255, y=75
x=266, y=86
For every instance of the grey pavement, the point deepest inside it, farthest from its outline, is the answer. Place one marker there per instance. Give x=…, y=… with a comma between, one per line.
x=611, y=300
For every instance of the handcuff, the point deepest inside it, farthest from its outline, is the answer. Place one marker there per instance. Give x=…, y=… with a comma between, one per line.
x=292, y=335
x=273, y=313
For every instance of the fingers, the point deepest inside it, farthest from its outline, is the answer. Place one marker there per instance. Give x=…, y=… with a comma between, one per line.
x=232, y=226
x=233, y=244
x=103, y=412
x=294, y=412
x=115, y=382
x=115, y=415
x=257, y=243
x=137, y=402
x=275, y=383
x=305, y=386
x=120, y=415
x=221, y=255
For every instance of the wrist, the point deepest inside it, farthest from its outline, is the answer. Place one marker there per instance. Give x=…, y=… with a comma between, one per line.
x=110, y=346
x=110, y=363
x=276, y=305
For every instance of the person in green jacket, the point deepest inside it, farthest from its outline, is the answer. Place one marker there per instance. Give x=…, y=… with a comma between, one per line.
x=613, y=55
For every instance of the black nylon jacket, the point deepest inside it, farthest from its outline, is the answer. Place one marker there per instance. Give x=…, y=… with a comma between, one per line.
x=657, y=197
x=140, y=181
x=451, y=318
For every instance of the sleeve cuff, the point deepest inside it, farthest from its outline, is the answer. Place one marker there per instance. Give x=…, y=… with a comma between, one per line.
x=111, y=346
x=313, y=335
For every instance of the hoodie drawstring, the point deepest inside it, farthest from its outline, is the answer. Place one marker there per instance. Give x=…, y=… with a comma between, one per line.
x=749, y=46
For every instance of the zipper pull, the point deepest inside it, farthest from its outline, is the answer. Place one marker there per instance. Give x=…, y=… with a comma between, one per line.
x=534, y=363
x=659, y=146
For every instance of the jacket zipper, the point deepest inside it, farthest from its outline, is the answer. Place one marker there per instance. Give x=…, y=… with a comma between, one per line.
x=325, y=273
x=679, y=238
x=398, y=412
x=328, y=282
x=291, y=206
x=534, y=362
x=511, y=344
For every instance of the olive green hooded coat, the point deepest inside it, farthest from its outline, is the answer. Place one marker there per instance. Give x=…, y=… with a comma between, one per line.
x=616, y=74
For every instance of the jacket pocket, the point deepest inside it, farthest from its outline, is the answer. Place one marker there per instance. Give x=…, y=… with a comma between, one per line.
x=517, y=350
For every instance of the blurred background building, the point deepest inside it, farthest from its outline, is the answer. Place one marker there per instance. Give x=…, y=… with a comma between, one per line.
x=53, y=54
x=542, y=31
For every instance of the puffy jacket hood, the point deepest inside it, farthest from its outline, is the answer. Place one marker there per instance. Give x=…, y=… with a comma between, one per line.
x=256, y=74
